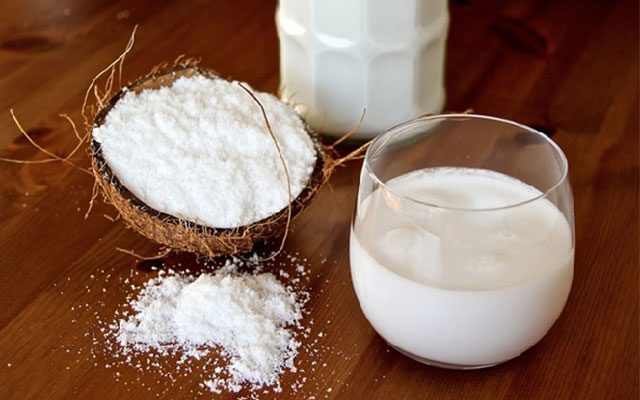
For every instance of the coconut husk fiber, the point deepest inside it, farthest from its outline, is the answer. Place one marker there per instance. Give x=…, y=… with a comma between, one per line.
x=180, y=234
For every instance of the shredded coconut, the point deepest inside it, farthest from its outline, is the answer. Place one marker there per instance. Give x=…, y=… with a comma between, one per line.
x=248, y=317
x=200, y=150
x=197, y=370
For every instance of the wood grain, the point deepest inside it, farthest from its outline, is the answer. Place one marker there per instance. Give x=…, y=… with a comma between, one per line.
x=568, y=67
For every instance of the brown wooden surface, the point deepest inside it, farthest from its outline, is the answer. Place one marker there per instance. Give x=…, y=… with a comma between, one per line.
x=569, y=68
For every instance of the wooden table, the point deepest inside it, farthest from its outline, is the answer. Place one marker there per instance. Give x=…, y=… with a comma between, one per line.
x=569, y=68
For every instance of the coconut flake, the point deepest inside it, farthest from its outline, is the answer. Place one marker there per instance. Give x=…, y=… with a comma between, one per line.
x=200, y=150
x=249, y=318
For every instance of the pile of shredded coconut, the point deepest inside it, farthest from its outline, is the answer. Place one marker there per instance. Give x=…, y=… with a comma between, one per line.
x=248, y=318
x=154, y=361
x=200, y=150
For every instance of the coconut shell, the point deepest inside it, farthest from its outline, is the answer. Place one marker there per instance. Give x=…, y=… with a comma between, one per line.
x=179, y=234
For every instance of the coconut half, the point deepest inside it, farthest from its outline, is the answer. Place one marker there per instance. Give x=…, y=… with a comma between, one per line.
x=190, y=234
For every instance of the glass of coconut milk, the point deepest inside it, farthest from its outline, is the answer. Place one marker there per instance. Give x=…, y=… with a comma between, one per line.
x=462, y=241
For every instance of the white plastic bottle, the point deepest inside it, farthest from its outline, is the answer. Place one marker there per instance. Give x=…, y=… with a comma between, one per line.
x=340, y=57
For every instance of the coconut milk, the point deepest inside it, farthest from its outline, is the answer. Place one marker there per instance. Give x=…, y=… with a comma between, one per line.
x=338, y=58
x=454, y=286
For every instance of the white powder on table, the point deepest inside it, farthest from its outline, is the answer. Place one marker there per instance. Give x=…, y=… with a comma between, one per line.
x=200, y=150
x=248, y=317
x=187, y=370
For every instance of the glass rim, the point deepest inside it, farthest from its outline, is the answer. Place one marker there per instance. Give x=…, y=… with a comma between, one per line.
x=381, y=140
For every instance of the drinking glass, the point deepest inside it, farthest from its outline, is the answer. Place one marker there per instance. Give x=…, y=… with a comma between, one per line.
x=473, y=268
